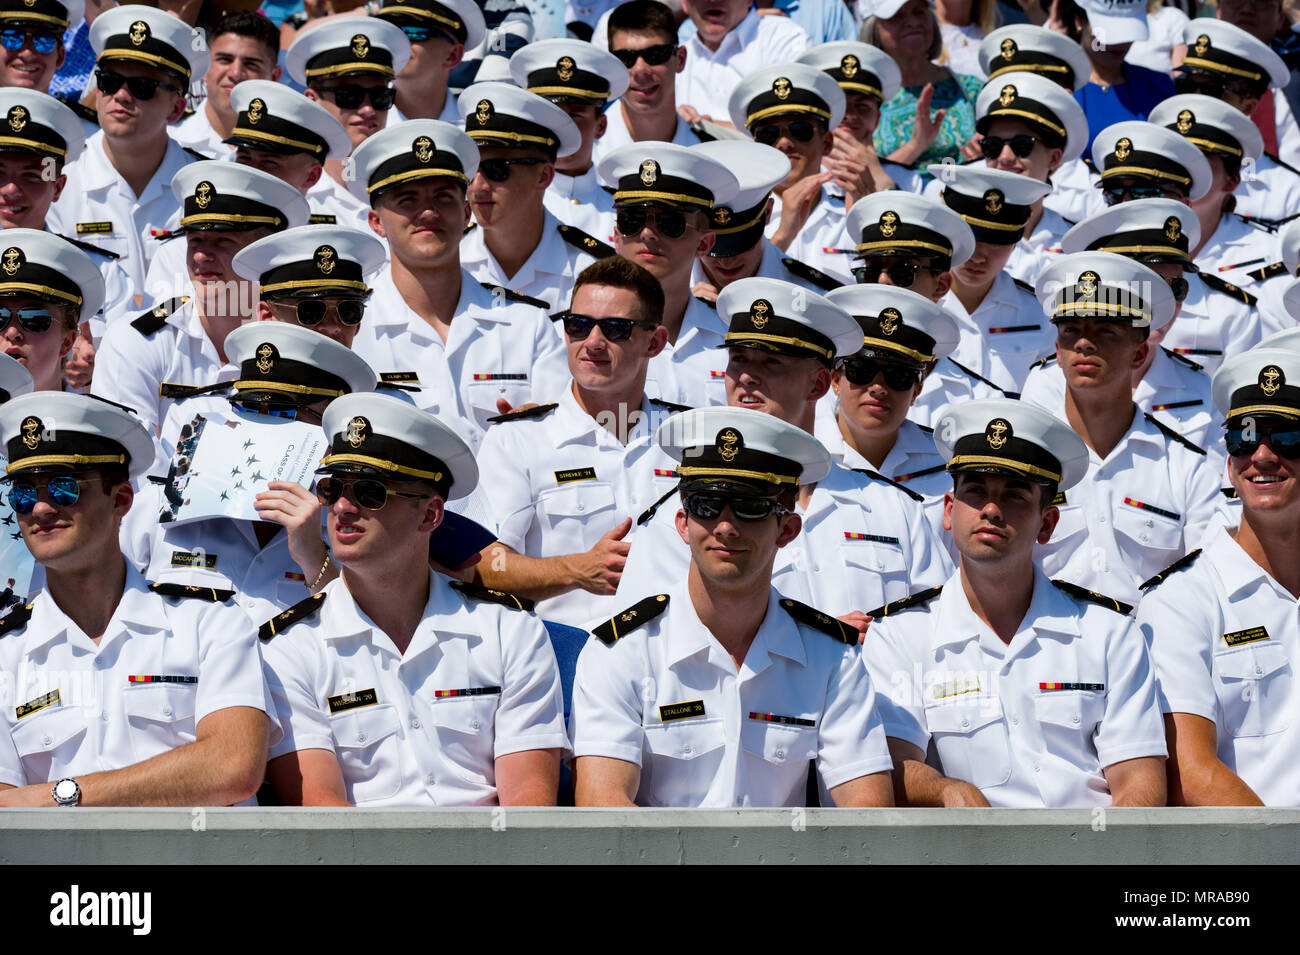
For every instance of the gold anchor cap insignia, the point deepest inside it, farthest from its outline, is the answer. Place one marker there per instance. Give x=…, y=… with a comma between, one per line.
x=358, y=429
x=998, y=433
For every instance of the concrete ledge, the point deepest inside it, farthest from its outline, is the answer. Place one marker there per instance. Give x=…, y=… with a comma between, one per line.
x=792, y=836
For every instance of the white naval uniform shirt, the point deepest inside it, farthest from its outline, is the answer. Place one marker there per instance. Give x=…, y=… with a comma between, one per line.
x=1212, y=326
x=495, y=349
x=770, y=266
x=1172, y=390
x=1038, y=250
x=1274, y=316
x=197, y=133
x=693, y=370
x=100, y=208
x=477, y=682
x=1236, y=241
x=130, y=365
x=1006, y=334
x=558, y=484
x=103, y=715
x=547, y=274
x=710, y=77
x=1269, y=191
x=825, y=229
x=1149, y=502
x=224, y=553
x=328, y=198
x=913, y=461
x=863, y=543
x=947, y=384
x=1225, y=641
x=617, y=135
x=989, y=707
x=1075, y=196
x=119, y=296
x=581, y=202
x=668, y=698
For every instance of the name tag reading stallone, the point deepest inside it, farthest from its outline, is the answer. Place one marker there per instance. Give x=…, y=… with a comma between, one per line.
x=681, y=711
x=350, y=701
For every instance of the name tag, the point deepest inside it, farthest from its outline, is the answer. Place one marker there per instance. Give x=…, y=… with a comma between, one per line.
x=350, y=701
x=40, y=703
x=784, y=720
x=321, y=218
x=1059, y=500
x=957, y=687
x=184, y=558
x=1090, y=687
x=575, y=474
x=681, y=711
x=94, y=228
x=1238, y=637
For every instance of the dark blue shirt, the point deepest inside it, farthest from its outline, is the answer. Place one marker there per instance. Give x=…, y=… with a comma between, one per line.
x=1141, y=90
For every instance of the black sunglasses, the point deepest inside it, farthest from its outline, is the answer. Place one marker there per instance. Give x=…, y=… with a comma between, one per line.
x=367, y=493
x=498, y=170
x=708, y=507
x=1114, y=195
x=863, y=371
x=801, y=131
x=140, y=87
x=1022, y=144
x=630, y=220
x=33, y=318
x=578, y=327
x=312, y=311
x=351, y=97
x=1285, y=444
x=62, y=490
x=653, y=55
x=1179, y=287
x=902, y=274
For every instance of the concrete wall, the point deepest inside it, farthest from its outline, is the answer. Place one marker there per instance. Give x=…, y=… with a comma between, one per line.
x=811, y=836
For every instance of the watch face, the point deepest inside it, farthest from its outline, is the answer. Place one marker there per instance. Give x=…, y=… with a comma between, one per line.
x=66, y=789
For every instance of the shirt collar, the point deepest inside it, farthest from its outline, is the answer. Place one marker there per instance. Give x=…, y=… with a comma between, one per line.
x=1050, y=610
x=96, y=171
x=139, y=610
x=1235, y=567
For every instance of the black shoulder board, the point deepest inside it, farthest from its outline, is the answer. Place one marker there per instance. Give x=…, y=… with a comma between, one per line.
x=648, y=514
x=1044, y=361
x=978, y=377
x=1263, y=225
x=705, y=301
x=469, y=228
x=922, y=473
x=1171, y=433
x=1229, y=492
x=322, y=218
x=282, y=621
x=1082, y=593
x=187, y=592
x=1195, y=366
x=151, y=321
x=1284, y=165
x=87, y=247
x=1025, y=287
x=876, y=476
x=189, y=111
x=1092, y=167
x=15, y=619
x=925, y=427
x=81, y=109
x=631, y=618
x=512, y=296
x=670, y=405
x=537, y=412
x=1185, y=561
x=580, y=240
x=1268, y=271
x=479, y=592
x=916, y=600
x=809, y=274
x=1227, y=288
x=821, y=621
x=170, y=389
x=167, y=236
x=195, y=153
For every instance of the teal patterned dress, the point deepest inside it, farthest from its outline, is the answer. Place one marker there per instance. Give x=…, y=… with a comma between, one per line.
x=898, y=117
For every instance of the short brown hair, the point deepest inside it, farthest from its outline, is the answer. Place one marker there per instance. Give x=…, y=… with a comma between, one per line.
x=618, y=272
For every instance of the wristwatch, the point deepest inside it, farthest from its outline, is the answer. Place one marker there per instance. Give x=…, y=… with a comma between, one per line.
x=66, y=792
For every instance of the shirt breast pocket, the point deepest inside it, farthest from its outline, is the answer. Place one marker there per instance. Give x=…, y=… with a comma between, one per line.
x=482, y=396
x=1147, y=536
x=577, y=511
x=876, y=561
x=1070, y=528
x=47, y=742
x=1068, y=720
x=365, y=740
x=785, y=751
x=680, y=762
x=1254, y=688
x=971, y=740
x=161, y=717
